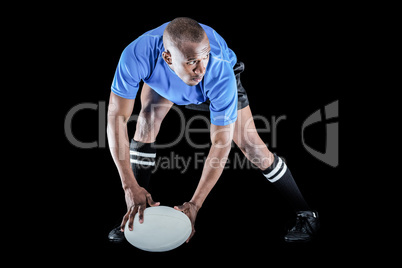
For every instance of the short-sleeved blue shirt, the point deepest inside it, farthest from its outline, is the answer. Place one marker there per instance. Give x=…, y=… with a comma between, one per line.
x=142, y=60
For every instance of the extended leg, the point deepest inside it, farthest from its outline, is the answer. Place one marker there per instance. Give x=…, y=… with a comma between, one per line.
x=277, y=172
x=272, y=167
x=249, y=142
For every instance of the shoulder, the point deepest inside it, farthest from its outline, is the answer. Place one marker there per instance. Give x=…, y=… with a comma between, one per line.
x=143, y=52
x=212, y=34
x=219, y=79
x=219, y=47
x=151, y=41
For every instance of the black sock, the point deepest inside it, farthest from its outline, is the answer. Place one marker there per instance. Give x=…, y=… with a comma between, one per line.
x=279, y=175
x=142, y=158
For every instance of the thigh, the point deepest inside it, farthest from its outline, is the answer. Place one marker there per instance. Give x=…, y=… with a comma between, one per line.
x=245, y=131
x=247, y=139
x=152, y=102
x=154, y=108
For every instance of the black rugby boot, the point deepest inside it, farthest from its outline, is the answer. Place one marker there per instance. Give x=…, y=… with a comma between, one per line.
x=307, y=225
x=116, y=236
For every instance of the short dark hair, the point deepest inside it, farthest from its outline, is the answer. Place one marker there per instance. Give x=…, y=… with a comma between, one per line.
x=183, y=30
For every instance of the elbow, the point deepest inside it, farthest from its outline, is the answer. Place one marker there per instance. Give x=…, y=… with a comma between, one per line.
x=113, y=117
x=222, y=142
x=222, y=136
x=116, y=122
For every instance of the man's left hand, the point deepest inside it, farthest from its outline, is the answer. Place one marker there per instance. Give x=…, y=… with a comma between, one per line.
x=191, y=210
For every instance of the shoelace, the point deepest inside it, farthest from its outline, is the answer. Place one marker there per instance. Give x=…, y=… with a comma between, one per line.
x=303, y=225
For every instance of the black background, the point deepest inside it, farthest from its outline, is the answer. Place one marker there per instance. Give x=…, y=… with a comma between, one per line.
x=295, y=65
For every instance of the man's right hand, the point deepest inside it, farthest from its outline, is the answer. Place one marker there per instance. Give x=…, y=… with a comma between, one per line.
x=136, y=200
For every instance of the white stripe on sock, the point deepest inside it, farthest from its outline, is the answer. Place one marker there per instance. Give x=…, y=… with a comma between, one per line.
x=280, y=174
x=139, y=162
x=142, y=154
x=273, y=172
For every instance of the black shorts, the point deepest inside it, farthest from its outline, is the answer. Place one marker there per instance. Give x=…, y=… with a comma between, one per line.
x=242, y=99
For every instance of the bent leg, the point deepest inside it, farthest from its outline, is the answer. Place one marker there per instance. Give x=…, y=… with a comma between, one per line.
x=154, y=108
x=142, y=150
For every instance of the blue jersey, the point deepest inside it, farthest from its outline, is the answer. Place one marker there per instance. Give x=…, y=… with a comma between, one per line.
x=142, y=60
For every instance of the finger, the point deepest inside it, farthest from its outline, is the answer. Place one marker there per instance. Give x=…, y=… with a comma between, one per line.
x=141, y=213
x=181, y=208
x=191, y=235
x=123, y=223
x=151, y=202
x=133, y=211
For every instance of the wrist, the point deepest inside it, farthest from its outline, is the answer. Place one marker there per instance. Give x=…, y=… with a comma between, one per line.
x=198, y=204
x=128, y=180
x=131, y=185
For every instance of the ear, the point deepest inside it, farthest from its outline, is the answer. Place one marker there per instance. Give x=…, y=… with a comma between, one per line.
x=167, y=57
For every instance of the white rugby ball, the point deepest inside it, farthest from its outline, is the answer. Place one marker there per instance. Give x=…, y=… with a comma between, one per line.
x=163, y=229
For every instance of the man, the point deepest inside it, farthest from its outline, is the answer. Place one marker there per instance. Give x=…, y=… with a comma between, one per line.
x=188, y=63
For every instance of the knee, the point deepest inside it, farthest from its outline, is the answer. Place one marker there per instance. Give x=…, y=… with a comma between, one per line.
x=153, y=114
x=148, y=125
x=248, y=143
x=259, y=155
x=256, y=151
x=146, y=117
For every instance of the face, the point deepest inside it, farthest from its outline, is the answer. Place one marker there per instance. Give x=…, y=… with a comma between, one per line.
x=189, y=61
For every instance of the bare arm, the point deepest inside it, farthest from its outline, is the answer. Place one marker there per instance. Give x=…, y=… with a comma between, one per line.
x=119, y=112
x=221, y=137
